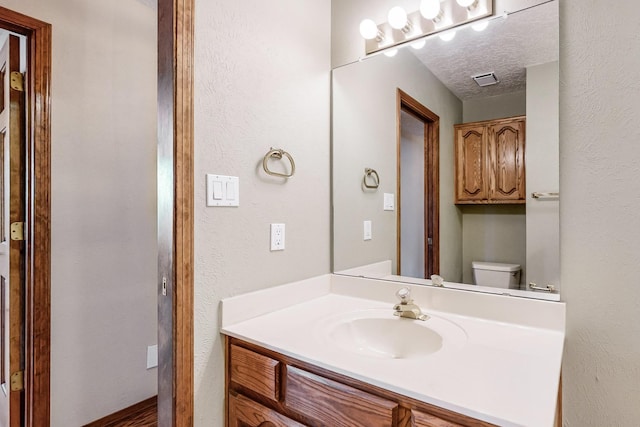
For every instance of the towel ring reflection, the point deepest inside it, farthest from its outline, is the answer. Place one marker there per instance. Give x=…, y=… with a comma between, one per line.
x=371, y=173
x=278, y=153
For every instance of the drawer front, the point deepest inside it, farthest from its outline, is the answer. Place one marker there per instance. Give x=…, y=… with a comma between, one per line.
x=245, y=412
x=256, y=372
x=421, y=419
x=334, y=404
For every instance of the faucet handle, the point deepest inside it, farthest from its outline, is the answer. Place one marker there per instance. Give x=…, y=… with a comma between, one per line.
x=404, y=295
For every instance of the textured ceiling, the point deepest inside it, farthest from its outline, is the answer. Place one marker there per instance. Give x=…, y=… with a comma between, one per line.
x=527, y=37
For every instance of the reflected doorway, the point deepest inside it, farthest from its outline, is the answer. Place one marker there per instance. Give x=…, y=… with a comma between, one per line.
x=418, y=217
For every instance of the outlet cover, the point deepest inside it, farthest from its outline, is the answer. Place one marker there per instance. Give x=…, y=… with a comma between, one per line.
x=367, y=230
x=152, y=356
x=389, y=202
x=277, y=237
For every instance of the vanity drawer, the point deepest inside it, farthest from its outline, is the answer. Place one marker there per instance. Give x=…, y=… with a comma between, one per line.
x=256, y=372
x=334, y=404
x=421, y=419
x=244, y=412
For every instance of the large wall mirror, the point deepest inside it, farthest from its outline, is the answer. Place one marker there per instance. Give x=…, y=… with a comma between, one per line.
x=396, y=116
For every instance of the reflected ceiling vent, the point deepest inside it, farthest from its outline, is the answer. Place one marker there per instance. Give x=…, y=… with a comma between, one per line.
x=486, y=79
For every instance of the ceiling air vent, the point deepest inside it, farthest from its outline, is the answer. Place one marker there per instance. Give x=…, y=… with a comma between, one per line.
x=486, y=79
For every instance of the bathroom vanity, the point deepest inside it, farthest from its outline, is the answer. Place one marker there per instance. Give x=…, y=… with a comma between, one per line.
x=329, y=351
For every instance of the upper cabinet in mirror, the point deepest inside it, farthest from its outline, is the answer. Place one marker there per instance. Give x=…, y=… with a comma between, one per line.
x=404, y=116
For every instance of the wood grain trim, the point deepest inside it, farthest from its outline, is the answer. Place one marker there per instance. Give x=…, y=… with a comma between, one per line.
x=335, y=404
x=175, y=210
x=245, y=412
x=422, y=419
x=124, y=416
x=407, y=103
x=255, y=371
x=38, y=245
x=405, y=402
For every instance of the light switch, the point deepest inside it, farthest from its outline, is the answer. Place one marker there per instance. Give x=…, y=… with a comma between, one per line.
x=367, y=230
x=223, y=190
x=389, y=202
x=217, y=190
x=231, y=191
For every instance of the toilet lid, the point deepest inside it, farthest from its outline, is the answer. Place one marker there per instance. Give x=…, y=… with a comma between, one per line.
x=495, y=266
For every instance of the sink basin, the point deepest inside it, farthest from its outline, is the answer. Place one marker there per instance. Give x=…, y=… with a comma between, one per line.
x=378, y=333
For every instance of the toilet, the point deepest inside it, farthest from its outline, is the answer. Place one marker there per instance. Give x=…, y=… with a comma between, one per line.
x=496, y=275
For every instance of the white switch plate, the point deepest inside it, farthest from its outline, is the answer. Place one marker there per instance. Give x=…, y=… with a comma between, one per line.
x=367, y=230
x=152, y=356
x=277, y=237
x=223, y=190
x=389, y=202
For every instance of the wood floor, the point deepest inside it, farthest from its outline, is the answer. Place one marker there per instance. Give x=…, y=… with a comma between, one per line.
x=143, y=414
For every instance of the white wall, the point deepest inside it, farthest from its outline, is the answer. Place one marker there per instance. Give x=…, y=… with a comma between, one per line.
x=543, y=158
x=365, y=135
x=599, y=220
x=103, y=298
x=262, y=80
x=494, y=107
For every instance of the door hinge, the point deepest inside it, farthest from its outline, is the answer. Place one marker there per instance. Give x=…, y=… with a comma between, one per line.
x=429, y=241
x=164, y=286
x=17, y=81
x=17, y=231
x=17, y=381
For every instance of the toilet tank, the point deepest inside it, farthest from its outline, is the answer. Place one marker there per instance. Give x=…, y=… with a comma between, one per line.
x=496, y=275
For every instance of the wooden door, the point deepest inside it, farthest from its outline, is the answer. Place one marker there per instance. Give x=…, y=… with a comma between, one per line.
x=471, y=163
x=506, y=154
x=12, y=185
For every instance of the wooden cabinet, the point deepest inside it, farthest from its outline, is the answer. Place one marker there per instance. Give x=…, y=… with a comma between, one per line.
x=268, y=389
x=490, y=162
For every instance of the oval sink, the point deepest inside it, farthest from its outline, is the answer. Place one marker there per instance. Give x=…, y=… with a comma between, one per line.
x=377, y=333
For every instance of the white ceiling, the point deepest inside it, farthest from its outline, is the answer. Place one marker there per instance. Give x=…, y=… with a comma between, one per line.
x=527, y=37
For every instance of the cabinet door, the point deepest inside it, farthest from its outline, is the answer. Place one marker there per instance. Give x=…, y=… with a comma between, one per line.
x=244, y=412
x=471, y=163
x=422, y=419
x=506, y=160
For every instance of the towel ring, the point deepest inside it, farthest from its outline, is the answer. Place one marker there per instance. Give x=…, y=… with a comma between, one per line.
x=368, y=172
x=278, y=153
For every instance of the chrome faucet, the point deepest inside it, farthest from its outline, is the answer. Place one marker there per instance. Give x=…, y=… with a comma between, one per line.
x=406, y=308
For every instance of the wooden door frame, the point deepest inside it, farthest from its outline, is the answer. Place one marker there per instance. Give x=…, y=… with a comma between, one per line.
x=407, y=103
x=38, y=218
x=175, y=212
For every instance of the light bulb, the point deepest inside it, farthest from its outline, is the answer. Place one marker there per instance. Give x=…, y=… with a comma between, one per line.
x=391, y=53
x=466, y=3
x=368, y=29
x=480, y=26
x=419, y=44
x=397, y=18
x=430, y=8
x=448, y=35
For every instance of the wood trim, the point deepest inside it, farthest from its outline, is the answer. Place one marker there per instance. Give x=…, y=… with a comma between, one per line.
x=407, y=103
x=175, y=212
x=38, y=244
x=121, y=417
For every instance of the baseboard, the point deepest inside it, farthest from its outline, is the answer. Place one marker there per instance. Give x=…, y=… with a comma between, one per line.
x=117, y=418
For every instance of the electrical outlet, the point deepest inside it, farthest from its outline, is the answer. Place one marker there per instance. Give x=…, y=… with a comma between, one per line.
x=152, y=356
x=277, y=237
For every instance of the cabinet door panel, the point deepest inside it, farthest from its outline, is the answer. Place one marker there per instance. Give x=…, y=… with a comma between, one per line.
x=334, y=404
x=244, y=412
x=471, y=158
x=507, y=170
x=256, y=372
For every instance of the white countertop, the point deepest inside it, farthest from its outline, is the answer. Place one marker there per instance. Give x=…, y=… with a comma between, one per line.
x=503, y=373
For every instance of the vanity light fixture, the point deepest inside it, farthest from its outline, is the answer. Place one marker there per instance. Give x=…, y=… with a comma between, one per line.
x=398, y=19
x=469, y=4
x=447, y=36
x=419, y=44
x=480, y=26
x=442, y=17
x=391, y=52
x=369, y=30
x=430, y=9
